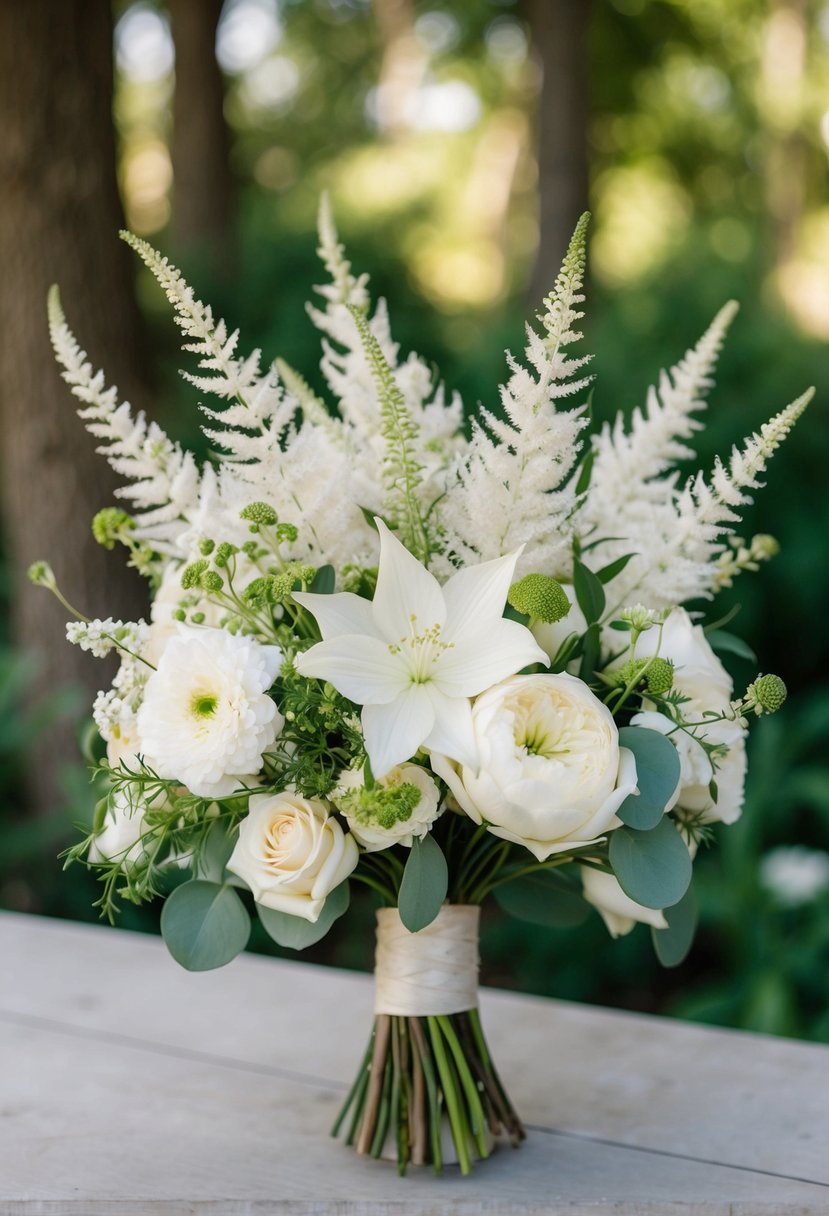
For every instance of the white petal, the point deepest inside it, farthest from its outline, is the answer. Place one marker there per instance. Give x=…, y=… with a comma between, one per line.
x=395, y=731
x=445, y=769
x=452, y=734
x=405, y=588
x=477, y=594
x=339, y=614
x=361, y=668
x=480, y=660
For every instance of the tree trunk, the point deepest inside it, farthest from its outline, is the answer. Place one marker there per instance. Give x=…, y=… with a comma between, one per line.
x=59, y=220
x=202, y=184
x=559, y=33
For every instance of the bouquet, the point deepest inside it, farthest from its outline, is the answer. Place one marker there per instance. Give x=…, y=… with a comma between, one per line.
x=441, y=663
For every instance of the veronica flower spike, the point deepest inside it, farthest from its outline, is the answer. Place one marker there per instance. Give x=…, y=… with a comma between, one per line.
x=414, y=655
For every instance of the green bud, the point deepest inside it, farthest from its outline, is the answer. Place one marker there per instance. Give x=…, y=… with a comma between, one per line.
x=539, y=596
x=197, y=618
x=765, y=695
x=206, y=546
x=252, y=550
x=223, y=553
x=261, y=593
x=287, y=533
x=42, y=575
x=110, y=524
x=632, y=671
x=259, y=513
x=659, y=676
x=211, y=581
x=641, y=618
x=191, y=575
x=179, y=615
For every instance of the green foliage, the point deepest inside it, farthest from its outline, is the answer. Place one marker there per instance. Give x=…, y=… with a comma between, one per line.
x=653, y=867
x=672, y=944
x=294, y=933
x=204, y=925
x=424, y=885
x=545, y=898
x=657, y=775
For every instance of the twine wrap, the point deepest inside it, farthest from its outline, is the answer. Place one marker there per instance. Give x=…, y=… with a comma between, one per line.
x=431, y=972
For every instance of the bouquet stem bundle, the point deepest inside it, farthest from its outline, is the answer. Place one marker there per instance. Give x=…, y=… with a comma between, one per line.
x=418, y=1075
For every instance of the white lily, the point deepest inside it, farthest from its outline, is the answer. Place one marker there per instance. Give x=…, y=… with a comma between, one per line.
x=415, y=654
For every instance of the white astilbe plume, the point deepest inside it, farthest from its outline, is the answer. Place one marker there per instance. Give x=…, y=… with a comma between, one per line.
x=350, y=377
x=682, y=539
x=513, y=489
x=164, y=487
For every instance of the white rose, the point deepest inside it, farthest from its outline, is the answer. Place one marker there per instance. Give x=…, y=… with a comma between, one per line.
x=550, y=635
x=120, y=836
x=700, y=676
x=618, y=911
x=552, y=772
x=292, y=853
x=383, y=821
x=206, y=718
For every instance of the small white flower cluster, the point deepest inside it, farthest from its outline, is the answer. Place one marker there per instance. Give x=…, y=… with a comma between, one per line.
x=100, y=638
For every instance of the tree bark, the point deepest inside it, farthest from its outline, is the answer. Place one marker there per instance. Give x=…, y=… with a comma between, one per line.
x=59, y=220
x=558, y=31
x=203, y=194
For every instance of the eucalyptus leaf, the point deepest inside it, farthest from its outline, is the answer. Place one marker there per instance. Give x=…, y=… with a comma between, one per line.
x=728, y=643
x=653, y=867
x=215, y=854
x=424, y=885
x=657, y=775
x=589, y=592
x=204, y=925
x=672, y=944
x=295, y=933
x=323, y=581
x=545, y=898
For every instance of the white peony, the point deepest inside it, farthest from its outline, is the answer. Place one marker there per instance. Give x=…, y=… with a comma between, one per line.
x=206, y=718
x=618, y=911
x=292, y=853
x=700, y=676
x=380, y=818
x=552, y=772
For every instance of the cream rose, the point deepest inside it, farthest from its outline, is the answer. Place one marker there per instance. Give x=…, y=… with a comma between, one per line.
x=618, y=911
x=120, y=836
x=401, y=806
x=700, y=676
x=552, y=774
x=292, y=853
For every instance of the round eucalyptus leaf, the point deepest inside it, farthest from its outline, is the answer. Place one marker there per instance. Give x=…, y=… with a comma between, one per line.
x=204, y=925
x=295, y=933
x=657, y=775
x=544, y=898
x=672, y=944
x=653, y=867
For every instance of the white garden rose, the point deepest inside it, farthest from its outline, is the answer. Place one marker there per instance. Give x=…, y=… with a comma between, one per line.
x=552, y=774
x=700, y=676
x=120, y=836
x=292, y=853
x=206, y=718
x=400, y=806
x=618, y=911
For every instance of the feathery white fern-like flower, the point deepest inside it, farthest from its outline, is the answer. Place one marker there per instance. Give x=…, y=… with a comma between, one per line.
x=206, y=718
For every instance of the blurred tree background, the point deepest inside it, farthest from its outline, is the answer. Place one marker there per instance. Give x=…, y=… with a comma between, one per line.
x=459, y=143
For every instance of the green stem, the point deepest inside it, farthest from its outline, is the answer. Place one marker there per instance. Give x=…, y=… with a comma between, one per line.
x=473, y=1098
x=450, y=1093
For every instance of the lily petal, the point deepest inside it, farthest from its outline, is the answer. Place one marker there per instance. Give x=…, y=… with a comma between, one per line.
x=405, y=589
x=361, y=668
x=484, y=658
x=394, y=731
x=476, y=594
x=339, y=614
x=452, y=734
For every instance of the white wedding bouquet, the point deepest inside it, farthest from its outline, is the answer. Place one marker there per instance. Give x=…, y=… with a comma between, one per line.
x=441, y=663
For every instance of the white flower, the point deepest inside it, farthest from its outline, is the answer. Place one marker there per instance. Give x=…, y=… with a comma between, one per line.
x=700, y=676
x=385, y=816
x=795, y=875
x=415, y=654
x=618, y=911
x=551, y=635
x=120, y=836
x=552, y=772
x=206, y=718
x=292, y=853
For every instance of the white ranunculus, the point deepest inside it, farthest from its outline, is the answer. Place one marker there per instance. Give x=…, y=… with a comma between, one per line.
x=206, y=718
x=551, y=635
x=618, y=911
x=292, y=853
x=552, y=773
x=376, y=823
x=700, y=676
